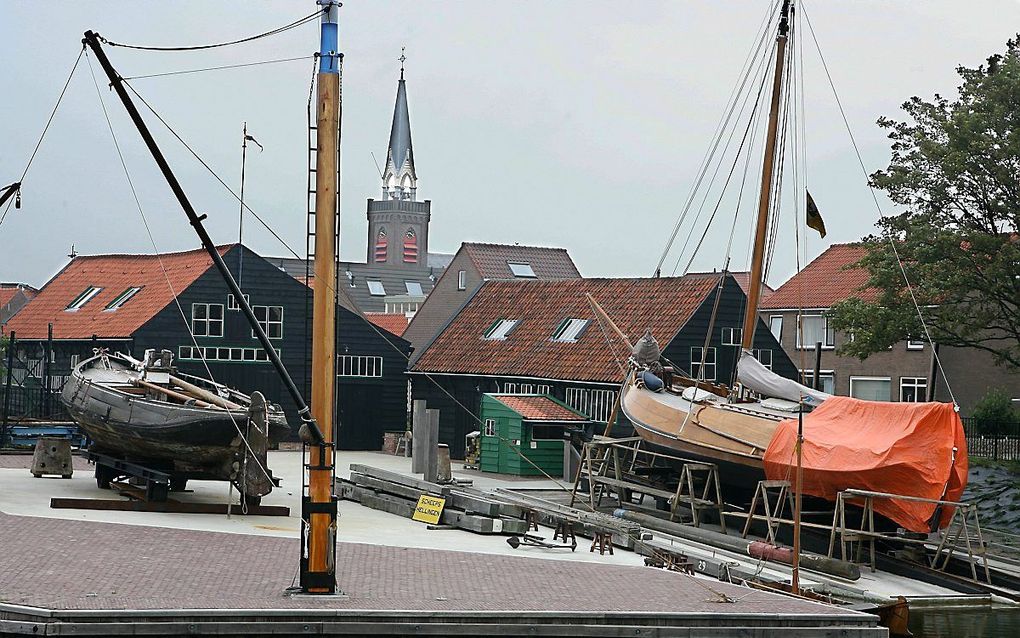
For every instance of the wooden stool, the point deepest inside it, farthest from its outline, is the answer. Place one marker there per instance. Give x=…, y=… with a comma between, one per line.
x=565, y=530
x=604, y=541
x=532, y=519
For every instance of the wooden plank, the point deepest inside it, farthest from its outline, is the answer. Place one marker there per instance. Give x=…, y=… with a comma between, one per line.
x=457, y=518
x=457, y=498
x=170, y=506
x=400, y=479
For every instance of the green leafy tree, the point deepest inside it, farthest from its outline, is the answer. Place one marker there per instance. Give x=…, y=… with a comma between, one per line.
x=995, y=414
x=955, y=170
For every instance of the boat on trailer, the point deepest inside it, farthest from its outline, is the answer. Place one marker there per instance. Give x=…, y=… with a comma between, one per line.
x=148, y=413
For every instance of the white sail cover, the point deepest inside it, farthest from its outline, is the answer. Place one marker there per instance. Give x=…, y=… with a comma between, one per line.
x=754, y=376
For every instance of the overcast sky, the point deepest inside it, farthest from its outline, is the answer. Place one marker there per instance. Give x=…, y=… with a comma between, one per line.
x=573, y=124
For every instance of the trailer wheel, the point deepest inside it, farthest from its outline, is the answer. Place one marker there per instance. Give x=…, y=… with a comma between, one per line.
x=103, y=476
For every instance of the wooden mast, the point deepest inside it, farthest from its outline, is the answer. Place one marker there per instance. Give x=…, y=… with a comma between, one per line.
x=764, y=199
x=320, y=576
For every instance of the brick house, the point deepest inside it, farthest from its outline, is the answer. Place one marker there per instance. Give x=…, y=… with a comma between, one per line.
x=13, y=298
x=541, y=336
x=795, y=313
x=474, y=264
x=130, y=303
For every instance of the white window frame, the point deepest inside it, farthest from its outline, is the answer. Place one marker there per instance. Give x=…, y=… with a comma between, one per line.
x=461, y=280
x=414, y=289
x=501, y=329
x=359, y=366
x=731, y=336
x=122, y=298
x=521, y=270
x=772, y=328
x=569, y=330
x=83, y=298
x=490, y=428
x=920, y=386
x=864, y=378
x=831, y=374
x=375, y=288
x=830, y=334
x=915, y=344
x=710, y=362
x=542, y=388
x=595, y=403
x=267, y=323
x=225, y=354
x=207, y=321
x=758, y=354
x=232, y=302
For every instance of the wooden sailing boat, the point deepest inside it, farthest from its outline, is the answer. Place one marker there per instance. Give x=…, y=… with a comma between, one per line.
x=894, y=448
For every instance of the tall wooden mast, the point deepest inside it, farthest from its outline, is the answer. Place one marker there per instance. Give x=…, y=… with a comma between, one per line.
x=318, y=574
x=765, y=198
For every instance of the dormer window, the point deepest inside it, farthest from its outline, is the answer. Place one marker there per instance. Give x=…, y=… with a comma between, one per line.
x=83, y=298
x=500, y=329
x=375, y=288
x=570, y=330
x=123, y=298
x=521, y=269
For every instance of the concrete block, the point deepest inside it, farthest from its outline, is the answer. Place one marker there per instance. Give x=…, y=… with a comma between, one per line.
x=52, y=456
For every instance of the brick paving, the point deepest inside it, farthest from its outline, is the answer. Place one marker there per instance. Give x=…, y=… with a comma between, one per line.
x=19, y=461
x=66, y=564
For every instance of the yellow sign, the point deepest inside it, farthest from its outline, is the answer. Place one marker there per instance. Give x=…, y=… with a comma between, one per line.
x=429, y=509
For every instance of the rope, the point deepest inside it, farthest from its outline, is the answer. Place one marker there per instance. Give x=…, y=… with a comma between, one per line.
x=202, y=47
x=878, y=207
x=45, y=128
x=159, y=257
x=212, y=172
x=216, y=68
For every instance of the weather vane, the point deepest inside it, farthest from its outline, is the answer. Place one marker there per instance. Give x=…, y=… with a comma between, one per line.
x=402, y=58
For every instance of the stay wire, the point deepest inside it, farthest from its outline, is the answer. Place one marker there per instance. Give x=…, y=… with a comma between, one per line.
x=46, y=128
x=212, y=172
x=216, y=68
x=202, y=47
x=159, y=258
x=706, y=162
x=878, y=206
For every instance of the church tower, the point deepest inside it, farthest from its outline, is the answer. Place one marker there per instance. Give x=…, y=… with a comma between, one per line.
x=398, y=224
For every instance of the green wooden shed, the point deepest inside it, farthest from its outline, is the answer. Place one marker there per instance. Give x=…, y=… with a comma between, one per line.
x=525, y=425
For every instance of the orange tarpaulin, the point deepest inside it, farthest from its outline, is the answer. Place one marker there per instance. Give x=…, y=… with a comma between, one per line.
x=898, y=448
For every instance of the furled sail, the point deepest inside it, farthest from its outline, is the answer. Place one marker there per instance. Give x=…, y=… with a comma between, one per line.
x=754, y=376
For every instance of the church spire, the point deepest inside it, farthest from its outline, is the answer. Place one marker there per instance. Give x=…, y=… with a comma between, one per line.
x=399, y=178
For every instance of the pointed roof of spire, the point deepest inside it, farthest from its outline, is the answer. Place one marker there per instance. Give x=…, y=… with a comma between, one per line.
x=400, y=132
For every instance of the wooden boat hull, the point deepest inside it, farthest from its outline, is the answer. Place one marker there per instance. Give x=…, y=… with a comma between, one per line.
x=703, y=432
x=191, y=442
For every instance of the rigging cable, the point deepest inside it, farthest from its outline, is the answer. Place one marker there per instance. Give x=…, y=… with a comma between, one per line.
x=717, y=136
x=46, y=127
x=874, y=196
x=202, y=47
x=159, y=258
x=216, y=68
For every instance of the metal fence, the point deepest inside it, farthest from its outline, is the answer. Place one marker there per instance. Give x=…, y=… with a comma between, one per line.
x=996, y=440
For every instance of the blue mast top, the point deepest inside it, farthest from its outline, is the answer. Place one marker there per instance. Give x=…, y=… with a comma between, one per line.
x=329, y=53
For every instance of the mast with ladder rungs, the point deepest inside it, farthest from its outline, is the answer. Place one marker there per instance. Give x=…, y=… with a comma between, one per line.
x=765, y=197
x=319, y=504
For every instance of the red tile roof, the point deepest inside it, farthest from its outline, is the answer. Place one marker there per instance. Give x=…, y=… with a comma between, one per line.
x=743, y=279
x=114, y=274
x=538, y=408
x=662, y=305
x=394, y=323
x=824, y=282
x=548, y=263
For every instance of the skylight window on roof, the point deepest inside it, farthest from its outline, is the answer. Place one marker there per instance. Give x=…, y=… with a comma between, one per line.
x=520, y=269
x=123, y=298
x=82, y=299
x=375, y=288
x=414, y=289
x=500, y=329
x=570, y=330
